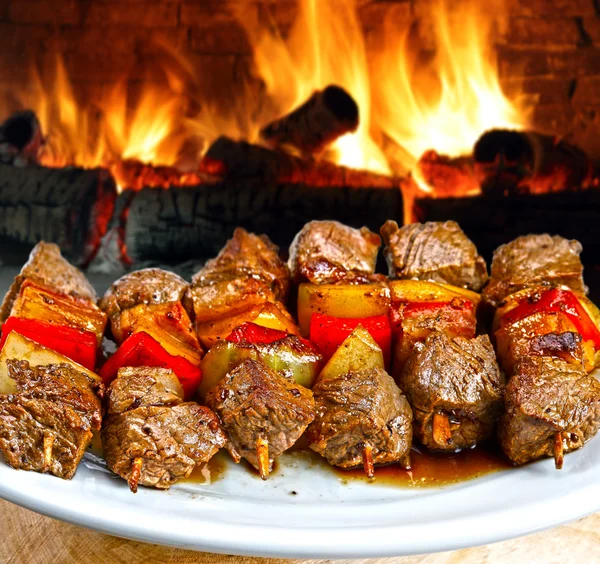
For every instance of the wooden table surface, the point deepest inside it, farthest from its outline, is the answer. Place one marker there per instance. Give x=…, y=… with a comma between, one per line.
x=32, y=538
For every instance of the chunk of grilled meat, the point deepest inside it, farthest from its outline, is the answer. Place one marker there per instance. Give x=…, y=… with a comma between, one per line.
x=47, y=267
x=149, y=436
x=326, y=252
x=357, y=411
x=534, y=260
x=262, y=412
x=247, y=272
x=552, y=407
x=47, y=424
x=455, y=389
x=434, y=251
x=149, y=286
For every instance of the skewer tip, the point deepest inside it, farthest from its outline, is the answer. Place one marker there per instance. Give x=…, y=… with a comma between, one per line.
x=136, y=472
x=367, y=457
x=559, y=451
x=262, y=455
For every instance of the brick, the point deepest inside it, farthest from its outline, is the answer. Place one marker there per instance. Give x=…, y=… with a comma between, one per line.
x=152, y=13
x=556, y=118
x=551, y=7
x=587, y=92
x=546, y=32
x=207, y=12
x=592, y=29
x=540, y=90
x=45, y=11
x=532, y=63
x=220, y=39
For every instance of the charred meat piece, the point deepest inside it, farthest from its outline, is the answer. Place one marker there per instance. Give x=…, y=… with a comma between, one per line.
x=534, y=260
x=434, y=251
x=455, y=389
x=149, y=286
x=327, y=252
x=362, y=419
x=247, y=272
x=263, y=413
x=138, y=387
x=47, y=424
x=47, y=267
x=552, y=407
x=149, y=436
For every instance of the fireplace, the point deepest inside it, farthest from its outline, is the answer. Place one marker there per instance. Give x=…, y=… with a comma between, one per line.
x=155, y=126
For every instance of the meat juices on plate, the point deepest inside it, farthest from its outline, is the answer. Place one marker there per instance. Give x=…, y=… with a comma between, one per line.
x=150, y=436
x=262, y=412
x=47, y=424
x=433, y=251
x=456, y=391
x=534, y=260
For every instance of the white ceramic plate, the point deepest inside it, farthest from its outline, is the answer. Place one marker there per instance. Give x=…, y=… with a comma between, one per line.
x=324, y=518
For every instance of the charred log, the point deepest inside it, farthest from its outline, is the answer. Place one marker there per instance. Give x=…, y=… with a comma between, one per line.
x=448, y=176
x=21, y=139
x=310, y=128
x=516, y=162
x=232, y=160
x=70, y=207
x=183, y=223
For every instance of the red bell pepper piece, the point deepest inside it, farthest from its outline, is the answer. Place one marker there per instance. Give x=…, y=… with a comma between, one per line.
x=328, y=332
x=552, y=300
x=143, y=350
x=252, y=333
x=77, y=344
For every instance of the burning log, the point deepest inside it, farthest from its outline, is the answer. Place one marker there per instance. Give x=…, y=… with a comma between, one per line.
x=182, y=223
x=325, y=116
x=71, y=207
x=448, y=176
x=21, y=139
x=509, y=162
x=232, y=160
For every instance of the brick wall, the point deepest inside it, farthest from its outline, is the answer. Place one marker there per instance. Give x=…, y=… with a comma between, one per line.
x=549, y=47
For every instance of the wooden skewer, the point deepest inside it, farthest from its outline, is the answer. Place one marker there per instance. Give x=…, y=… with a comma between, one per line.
x=48, y=444
x=441, y=429
x=136, y=472
x=559, y=451
x=262, y=454
x=367, y=457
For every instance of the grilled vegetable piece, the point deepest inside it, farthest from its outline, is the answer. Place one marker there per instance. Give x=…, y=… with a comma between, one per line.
x=362, y=419
x=148, y=286
x=328, y=333
x=262, y=412
x=407, y=291
x=272, y=315
x=341, y=300
x=359, y=352
x=413, y=322
x=434, y=251
x=38, y=302
x=455, y=389
x=47, y=424
x=246, y=273
x=552, y=407
x=143, y=350
x=47, y=267
x=19, y=347
x=253, y=333
x=150, y=437
x=328, y=252
x=534, y=260
x=292, y=357
x=80, y=346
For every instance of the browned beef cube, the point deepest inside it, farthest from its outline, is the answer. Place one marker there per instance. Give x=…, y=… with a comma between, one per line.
x=327, y=252
x=456, y=390
x=247, y=272
x=143, y=386
x=47, y=424
x=434, y=251
x=149, y=286
x=149, y=436
x=258, y=406
x=357, y=410
x=552, y=407
x=534, y=260
x=47, y=267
